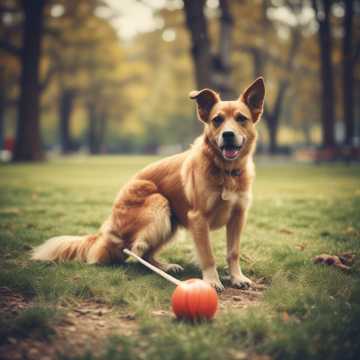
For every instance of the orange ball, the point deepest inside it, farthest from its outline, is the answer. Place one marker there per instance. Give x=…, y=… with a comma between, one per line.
x=194, y=299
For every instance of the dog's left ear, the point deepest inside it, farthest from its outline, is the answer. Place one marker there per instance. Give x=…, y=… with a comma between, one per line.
x=253, y=97
x=205, y=100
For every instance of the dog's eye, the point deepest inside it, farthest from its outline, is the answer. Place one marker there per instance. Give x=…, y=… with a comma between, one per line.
x=217, y=120
x=241, y=119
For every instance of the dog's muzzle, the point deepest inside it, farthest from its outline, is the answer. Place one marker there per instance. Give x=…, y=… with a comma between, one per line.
x=230, y=144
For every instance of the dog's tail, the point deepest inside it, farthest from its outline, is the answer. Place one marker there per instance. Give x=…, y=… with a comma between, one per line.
x=62, y=248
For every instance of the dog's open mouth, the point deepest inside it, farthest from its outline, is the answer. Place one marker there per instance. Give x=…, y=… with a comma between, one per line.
x=230, y=152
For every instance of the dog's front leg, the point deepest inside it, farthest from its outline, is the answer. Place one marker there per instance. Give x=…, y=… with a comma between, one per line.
x=199, y=229
x=233, y=232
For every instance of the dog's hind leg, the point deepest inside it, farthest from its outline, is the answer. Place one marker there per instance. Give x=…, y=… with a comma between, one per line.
x=156, y=233
x=150, y=256
x=142, y=216
x=161, y=265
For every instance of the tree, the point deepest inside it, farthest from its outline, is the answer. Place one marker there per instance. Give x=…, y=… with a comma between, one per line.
x=272, y=116
x=211, y=69
x=86, y=58
x=28, y=144
x=322, y=9
x=66, y=106
x=264, y=59
x=197, y=25
x=348, y=73
x=2, y=106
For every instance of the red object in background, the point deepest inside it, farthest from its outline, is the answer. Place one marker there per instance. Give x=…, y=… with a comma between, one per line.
x=194, y=299
x=9, y=144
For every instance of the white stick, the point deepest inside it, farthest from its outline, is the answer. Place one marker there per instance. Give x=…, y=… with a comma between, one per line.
x=154, y=268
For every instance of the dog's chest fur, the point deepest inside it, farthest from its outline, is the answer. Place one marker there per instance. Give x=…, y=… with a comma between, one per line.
x=220, y=205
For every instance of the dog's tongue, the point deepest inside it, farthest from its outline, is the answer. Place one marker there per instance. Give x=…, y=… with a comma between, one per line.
x=230, y=153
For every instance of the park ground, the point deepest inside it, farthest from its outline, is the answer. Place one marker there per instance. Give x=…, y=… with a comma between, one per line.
x=297, y=310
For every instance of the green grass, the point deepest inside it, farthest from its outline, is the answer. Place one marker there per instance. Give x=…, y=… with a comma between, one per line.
x=308, y=312
x=35, y=321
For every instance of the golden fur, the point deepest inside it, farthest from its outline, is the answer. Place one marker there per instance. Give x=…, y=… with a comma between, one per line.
x=194, y=189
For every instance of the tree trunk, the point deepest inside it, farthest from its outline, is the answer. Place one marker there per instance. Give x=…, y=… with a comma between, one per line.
x=306, y=130
x=200, y=42
x=28, y=143
x=211, y=71
x=93, y=140
x=102, y=131
x=348, y=71
x=327, y=83
x=65, y=110
x=221, y=62
x=2, y=114
x=2, y=108
x=272, y=124
x=272, y=118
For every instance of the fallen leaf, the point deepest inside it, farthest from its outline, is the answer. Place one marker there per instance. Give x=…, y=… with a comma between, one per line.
x=285, y=316
x=286, y=231
x=331, y=260
x=347, y=258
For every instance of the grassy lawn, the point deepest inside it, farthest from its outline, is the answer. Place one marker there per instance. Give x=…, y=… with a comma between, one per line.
x=307, y=311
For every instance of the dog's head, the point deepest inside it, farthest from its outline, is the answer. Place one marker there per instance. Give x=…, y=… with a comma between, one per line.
x=230, y=125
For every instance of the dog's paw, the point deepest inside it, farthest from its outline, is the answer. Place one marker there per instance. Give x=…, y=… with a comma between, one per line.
x=211, y=276
x=241, y=282
x=216, y=284
x=174, y=268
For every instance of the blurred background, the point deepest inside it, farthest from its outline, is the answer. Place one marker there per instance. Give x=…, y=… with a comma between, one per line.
x=108, y=76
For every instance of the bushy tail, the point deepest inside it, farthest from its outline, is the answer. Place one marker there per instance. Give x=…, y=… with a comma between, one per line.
x=62, y=248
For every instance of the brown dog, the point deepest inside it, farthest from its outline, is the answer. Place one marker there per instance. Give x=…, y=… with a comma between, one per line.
x=201, y=189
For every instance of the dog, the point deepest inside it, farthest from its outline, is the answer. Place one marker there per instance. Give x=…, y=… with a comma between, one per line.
x=204, y=188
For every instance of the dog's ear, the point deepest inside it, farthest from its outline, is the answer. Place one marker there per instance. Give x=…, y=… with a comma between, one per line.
x=205, y=100
x=253, y=97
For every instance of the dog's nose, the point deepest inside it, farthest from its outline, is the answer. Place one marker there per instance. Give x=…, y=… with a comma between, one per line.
x=228, y=135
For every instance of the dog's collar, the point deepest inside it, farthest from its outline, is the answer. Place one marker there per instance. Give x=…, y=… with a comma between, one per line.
x=235, y=172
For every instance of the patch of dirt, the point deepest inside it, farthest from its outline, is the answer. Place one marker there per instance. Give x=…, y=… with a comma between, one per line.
x=232, y=298
x=12, y=303
x=83, y=327
x=86, y=325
